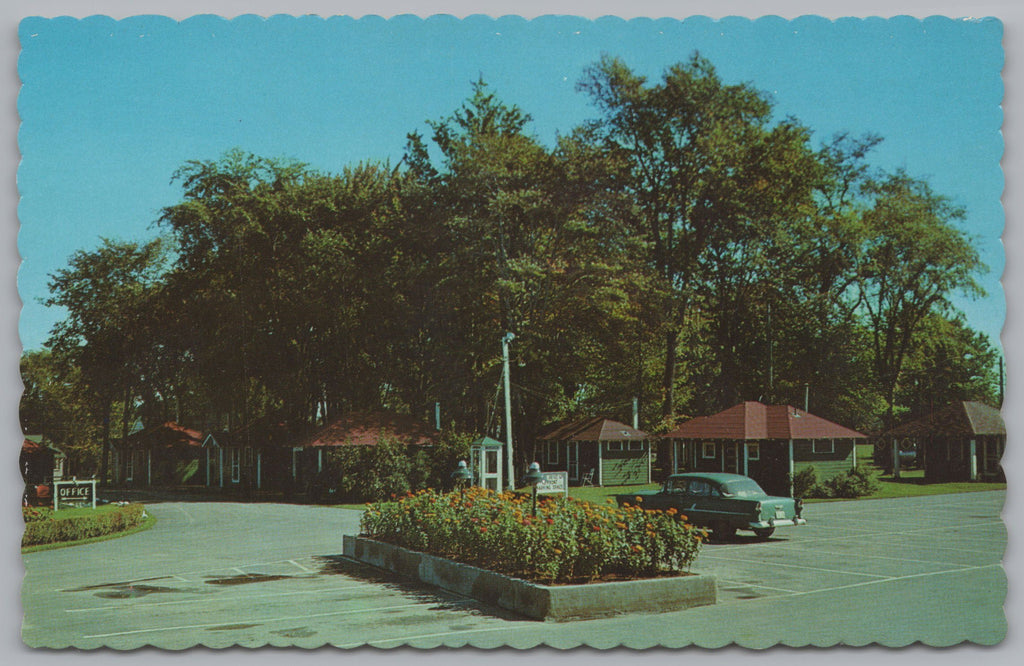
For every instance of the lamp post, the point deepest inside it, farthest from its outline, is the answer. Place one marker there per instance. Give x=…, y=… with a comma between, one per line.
x=533, y=477
x=509, y=337
x=462, y=475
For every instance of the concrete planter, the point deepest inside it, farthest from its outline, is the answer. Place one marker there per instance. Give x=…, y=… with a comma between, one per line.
x=542, y=602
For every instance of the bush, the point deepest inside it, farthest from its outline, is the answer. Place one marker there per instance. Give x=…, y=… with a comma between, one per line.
x=805, y=482
x=47, y=526
x=374, y=473
x=855, y=483
x=568, y=541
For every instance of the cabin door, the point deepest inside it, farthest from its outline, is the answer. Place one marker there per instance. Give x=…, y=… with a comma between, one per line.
x=572, y=459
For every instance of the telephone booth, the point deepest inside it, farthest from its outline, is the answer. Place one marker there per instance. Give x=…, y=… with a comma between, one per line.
x=485, y=462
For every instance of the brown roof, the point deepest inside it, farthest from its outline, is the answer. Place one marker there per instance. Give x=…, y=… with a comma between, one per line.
x=963, y=418
x=597, y=429
x=367, y=429
x=753, y=420
x=167, y=434
x=263, y=432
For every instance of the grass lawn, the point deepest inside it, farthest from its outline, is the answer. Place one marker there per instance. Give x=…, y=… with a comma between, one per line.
x=146, y=523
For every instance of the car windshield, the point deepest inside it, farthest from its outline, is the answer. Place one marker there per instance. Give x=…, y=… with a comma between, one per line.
x=742, y=488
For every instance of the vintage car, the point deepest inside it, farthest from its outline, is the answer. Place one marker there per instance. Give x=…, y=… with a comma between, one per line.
x=723, y=502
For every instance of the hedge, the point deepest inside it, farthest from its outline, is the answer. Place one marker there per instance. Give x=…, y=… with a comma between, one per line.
x=44, y=526
x=568, y=541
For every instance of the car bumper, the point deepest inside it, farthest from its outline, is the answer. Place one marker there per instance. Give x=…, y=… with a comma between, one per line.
x=781, y=522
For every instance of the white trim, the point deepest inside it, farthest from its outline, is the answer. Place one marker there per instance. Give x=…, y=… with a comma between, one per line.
x=974, y=460
x=831, y=446
x=756, y=450
x=220, y=470
x=704, y=450
x=259, y=470
x=615, y=446
x=235, y=458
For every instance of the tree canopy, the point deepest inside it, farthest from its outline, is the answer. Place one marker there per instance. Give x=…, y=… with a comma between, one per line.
x=685, y=247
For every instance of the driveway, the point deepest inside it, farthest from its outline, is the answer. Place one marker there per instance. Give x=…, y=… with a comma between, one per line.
x=219, y=574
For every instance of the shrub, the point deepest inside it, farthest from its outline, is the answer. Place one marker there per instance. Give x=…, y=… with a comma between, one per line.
x=855, y=483
x=568, y=541
x=51, y=527
x=805, y=482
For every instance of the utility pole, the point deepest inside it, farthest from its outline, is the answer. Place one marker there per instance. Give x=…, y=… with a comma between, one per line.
x=807, y=396
x=509, y=337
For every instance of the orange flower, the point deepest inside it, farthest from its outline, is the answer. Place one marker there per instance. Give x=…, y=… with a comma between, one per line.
x=639, y=500
x=638, y=548
x=621, y=526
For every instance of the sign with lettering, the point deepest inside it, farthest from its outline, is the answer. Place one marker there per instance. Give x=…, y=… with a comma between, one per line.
x=74, y=492
x=554, y=482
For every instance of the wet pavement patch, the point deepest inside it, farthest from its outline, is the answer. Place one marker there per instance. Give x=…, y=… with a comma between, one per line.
x=245, y=579
x=231, y=627
x=134, y=591
x=297, y=632
x=123, y=583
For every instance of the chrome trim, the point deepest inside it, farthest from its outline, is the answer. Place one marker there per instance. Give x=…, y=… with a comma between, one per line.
x=778, y=523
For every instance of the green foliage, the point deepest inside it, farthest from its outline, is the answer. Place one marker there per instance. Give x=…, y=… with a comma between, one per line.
x=45, y=526
x=858, y=482
x=805, y=482
x=568, y=540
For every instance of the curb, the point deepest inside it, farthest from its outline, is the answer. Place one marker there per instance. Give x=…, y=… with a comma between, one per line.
x=541, y=602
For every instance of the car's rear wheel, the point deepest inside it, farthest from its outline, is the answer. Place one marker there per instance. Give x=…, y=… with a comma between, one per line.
x=764, y=533
x=723, y=531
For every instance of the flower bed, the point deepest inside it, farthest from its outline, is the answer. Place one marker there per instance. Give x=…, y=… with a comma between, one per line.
x=569, y=541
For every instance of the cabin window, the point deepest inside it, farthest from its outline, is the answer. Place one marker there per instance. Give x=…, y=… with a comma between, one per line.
x=636, y=446
x=823, y=446
x=552, y=454
x=614, y=446
x=234, y=455
x=708, y=450
x=753, y=451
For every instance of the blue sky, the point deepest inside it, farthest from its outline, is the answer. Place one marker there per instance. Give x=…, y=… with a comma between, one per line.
x=110, y=109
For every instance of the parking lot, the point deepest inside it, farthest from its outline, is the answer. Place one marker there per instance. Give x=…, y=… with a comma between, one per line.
x=218, y=574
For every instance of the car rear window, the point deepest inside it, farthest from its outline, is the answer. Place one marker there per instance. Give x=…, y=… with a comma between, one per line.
x=743, y=488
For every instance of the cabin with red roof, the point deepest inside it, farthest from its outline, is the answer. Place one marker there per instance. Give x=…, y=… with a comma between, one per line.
x=769, y=443
x=962, y=442
x=311, y=453
x=596, y=450
x=167, y=454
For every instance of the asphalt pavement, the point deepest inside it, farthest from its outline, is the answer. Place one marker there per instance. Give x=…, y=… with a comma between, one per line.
x=892, y=572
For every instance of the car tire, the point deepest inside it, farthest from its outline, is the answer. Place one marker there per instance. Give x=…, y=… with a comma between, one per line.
x=764, y=533
x=723, y=531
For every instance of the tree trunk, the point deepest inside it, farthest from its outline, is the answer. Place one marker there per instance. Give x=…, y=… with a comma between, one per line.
x=668, y=385
x=105, y=457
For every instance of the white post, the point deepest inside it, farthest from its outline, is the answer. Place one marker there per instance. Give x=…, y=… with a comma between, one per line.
x=207, y=468
x=791, y=468
x=895, y=459
x=600, y=463
x=220, y=470
x=437, y=415
x=853, y=444
x=649, y=448
x=319, y=460
x=149, y=467
x=509, y=337
x=675, y=457
x=746, y=459
x=974, y=460
x=259, y=475
x=636, y=413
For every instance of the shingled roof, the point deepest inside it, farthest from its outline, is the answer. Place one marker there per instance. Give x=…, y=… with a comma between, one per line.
x=962, y=418
x=367, y=429
x=596, y=429
x=167, y=434
x=753, y=420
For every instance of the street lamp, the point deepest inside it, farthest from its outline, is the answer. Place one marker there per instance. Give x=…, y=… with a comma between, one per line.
x=462, y=476
x=533, y=477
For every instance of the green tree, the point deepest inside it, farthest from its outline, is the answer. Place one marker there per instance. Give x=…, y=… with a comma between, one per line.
x=707, y=168
x=108, y=333
x=913, y=259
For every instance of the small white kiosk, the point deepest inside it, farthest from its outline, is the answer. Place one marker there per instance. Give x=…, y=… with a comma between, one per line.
x=485, y=462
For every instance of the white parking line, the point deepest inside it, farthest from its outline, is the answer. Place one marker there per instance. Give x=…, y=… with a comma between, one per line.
x=794, y=566
x=301, y=567
x=257, y=621
x=818, y=551
x=763, y=587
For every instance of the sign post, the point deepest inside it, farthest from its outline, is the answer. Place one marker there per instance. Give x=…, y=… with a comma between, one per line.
x=74, y=492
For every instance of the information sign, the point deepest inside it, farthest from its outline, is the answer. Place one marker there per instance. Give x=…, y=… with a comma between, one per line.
x=554, y=482
x=74, y=492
